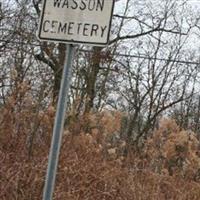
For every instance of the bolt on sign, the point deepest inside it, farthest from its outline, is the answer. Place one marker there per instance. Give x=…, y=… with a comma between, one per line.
x=76, y=21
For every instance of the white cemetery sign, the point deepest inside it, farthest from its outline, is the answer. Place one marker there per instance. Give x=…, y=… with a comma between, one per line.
x=76, y=21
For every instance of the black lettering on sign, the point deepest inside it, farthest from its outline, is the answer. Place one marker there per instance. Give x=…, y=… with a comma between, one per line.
x=70, y=27
x=62, y=28
x=45, y=24
x=53, y=26
x=75, y=6
x=73, y=28
x=57, y=3
x=85, y=29
x=78, y=29
x=100, y=5
x=94, y=29
x=65, y=3
x=82, y=5
x=103, y=30
x=91, y=5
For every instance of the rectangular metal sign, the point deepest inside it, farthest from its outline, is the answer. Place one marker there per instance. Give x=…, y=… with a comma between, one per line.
x=76, y=21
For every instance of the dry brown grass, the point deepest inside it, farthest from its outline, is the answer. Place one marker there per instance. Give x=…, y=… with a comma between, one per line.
x=85, y=170
x=174, y=152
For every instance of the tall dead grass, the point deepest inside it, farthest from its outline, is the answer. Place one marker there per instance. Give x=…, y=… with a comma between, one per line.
x=86, y=171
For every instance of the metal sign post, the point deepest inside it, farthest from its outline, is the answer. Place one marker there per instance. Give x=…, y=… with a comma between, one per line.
x=58, y=126
x=70, y=21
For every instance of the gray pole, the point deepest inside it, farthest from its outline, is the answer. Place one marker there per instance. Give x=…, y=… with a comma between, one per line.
x=58, y=126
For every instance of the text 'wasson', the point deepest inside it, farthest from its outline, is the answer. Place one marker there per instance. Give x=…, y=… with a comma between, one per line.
x=91, y=5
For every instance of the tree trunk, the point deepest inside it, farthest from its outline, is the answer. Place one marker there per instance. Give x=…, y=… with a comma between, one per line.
x=92, y=79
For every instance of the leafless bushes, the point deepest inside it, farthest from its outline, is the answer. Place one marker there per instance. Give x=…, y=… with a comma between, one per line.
x=91, y=166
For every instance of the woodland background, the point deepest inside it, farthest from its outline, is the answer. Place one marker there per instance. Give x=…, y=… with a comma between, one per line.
x=132, y=129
